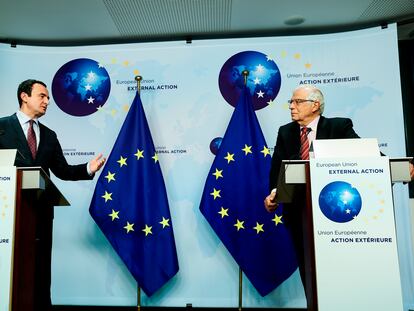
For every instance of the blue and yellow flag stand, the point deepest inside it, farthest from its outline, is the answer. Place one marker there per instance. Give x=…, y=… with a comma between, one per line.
x=232, y=203
x=130, y=204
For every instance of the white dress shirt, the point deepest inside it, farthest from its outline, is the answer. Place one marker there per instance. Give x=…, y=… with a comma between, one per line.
x=24, y=123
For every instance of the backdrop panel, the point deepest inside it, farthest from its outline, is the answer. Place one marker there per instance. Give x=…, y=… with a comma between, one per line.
x=357, y=71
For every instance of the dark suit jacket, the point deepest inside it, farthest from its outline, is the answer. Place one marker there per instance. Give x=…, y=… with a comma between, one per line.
x=49, y=154
x=288, y=141
x=50, y=157
x=288, y=148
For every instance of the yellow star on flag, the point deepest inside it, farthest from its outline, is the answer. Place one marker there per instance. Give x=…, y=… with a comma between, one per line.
x=147, y=229
x=223, y=212
x=114, y=215
x=139, y=154
x=308, y=65
x=122, y=161
x=164, y=222
x=247, y=149
x=155, y=157
x=258, y=228
x=218, y=174
x=239, y=225
x=110, y=177
x=216, y=193
x=129, y=227
x=277, y=220
x=229, y=157
x=265, y=151
x=107, y=196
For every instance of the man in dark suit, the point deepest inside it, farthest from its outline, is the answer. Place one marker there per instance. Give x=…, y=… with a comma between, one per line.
x=292, y=143
x=38, y=146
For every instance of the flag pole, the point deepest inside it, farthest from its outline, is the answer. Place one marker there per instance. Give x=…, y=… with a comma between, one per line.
x=245, y=73
x=138, y=79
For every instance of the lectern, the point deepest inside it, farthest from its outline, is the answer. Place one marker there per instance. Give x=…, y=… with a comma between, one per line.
x=351, y=257
x=26, y=195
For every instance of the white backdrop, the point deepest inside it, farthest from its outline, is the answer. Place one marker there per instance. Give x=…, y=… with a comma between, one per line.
x=186, y=117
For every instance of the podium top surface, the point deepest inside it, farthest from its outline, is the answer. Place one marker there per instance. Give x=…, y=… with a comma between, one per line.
x=292, y=173
x=35, y=178
x=350, y=147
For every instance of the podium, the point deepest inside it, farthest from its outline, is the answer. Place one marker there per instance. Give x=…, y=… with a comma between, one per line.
x=28, y=194
x=351, y=260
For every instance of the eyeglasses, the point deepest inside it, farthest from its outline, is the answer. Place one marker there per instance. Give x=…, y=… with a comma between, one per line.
x=299, y=101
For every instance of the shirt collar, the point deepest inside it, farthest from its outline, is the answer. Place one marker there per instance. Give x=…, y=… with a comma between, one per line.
x=24, y=118
x=314, y=124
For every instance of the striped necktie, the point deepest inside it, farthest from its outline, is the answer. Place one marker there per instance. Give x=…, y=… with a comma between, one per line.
x=31, y=139
x=304, y=144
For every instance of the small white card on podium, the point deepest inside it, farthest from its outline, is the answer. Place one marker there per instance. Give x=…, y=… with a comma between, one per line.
x=338, y=148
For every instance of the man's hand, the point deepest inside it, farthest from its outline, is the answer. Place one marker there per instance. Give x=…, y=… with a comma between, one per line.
x=96, y=163
x=270, y=202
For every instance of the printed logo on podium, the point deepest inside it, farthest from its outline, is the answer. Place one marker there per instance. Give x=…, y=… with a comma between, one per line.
x=340, y=202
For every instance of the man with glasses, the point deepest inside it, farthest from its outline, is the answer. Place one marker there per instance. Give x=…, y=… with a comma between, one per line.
x=293, y=141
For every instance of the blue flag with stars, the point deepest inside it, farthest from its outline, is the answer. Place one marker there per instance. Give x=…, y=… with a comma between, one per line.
x=232, y=202
x=130, y=205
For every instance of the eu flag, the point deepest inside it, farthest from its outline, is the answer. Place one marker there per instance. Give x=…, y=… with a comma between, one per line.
x=232, y=202
x=130, y=205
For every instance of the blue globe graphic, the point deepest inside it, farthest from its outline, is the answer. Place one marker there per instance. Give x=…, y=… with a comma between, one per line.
x=215, y=145
x=263, y=80
x=81, y=86
x=340, y=202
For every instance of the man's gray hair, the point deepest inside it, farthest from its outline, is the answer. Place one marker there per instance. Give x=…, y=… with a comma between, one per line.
x=314, y=94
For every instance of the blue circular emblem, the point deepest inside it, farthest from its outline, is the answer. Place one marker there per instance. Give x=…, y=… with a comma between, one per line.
x=340, y=202
x=215, y=145
x=263, y=80
x=81, y=86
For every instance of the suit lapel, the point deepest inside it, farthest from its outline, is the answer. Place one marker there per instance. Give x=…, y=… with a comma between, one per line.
x=42, y=142
x=294, y=139
x=322, y=131
x=20, y=141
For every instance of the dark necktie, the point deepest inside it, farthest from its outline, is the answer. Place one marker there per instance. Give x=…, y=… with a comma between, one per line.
x=304, y=144
x=31, y=139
